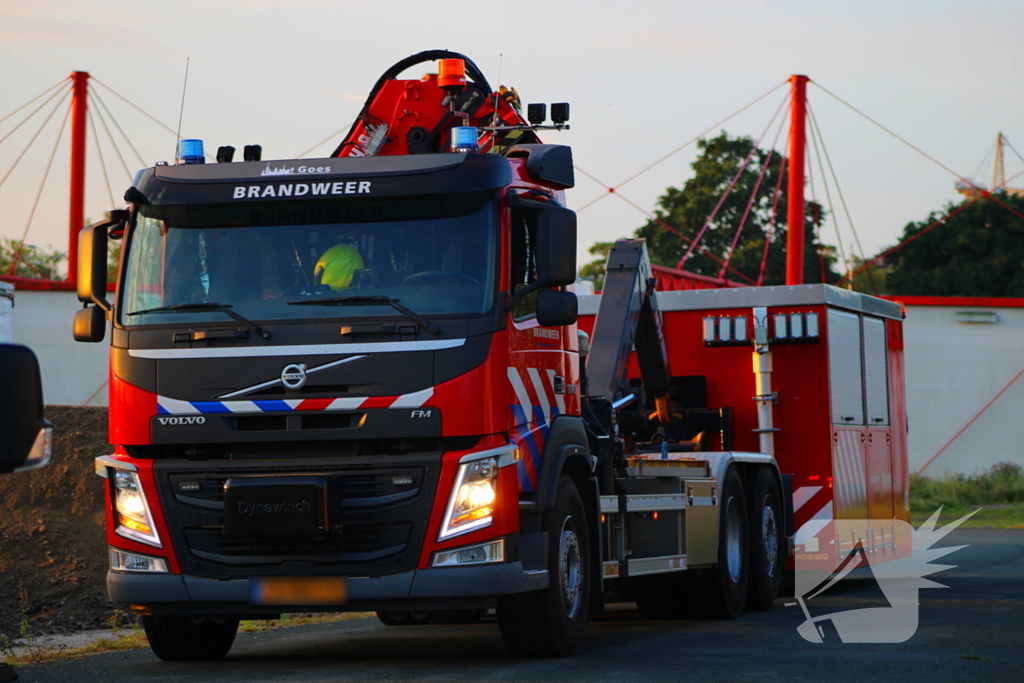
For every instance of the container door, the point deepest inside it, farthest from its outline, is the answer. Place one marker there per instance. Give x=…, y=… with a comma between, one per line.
x=846, y=382
x=879, y=441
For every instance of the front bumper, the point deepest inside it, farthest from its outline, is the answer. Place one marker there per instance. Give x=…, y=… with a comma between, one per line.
x=423, y=588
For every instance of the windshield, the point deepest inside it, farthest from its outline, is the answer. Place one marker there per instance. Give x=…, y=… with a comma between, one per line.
x=436, y=255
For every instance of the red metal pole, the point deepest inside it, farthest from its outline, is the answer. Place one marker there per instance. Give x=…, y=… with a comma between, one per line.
x=795, y=199
x=76, y=218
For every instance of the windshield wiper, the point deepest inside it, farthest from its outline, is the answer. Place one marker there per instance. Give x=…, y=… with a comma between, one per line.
x=369, y=301
x=224, y=308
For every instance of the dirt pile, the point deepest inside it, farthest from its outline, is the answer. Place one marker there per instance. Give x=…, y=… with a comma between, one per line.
x=53, y=551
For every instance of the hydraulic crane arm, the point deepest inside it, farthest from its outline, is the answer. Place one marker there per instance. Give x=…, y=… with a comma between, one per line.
x=628, y=317
x=403, y=116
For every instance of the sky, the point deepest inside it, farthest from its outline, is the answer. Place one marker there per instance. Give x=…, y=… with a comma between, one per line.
x=642, y=77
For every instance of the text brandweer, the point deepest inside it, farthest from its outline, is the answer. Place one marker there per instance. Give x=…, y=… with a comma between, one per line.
x=301, y=189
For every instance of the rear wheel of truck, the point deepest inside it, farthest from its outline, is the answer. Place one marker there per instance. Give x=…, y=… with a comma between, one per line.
x=184, y=637
x=721, y=591
x=551, y=622
x=766, y=559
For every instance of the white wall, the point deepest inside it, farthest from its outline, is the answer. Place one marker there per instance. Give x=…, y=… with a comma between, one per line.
x=954, y=369
x=72, y=371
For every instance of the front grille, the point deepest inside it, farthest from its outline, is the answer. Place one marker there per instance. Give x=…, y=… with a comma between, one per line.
x=377, y=517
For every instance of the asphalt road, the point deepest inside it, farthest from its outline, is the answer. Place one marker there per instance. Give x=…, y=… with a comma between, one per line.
x=971, y=631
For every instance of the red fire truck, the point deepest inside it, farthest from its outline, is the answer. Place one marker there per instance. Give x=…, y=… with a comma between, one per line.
x=358, y=383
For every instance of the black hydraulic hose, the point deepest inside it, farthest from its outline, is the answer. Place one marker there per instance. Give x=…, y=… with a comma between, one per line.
x=426, y=56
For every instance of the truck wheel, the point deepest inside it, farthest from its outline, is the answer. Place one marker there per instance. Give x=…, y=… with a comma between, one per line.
x=183, y=638
x=550, y=622
x=392, y=618
x=723, y=590
x=766, y=560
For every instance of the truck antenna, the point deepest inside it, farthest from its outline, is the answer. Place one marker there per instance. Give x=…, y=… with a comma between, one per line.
x=494, y=118
x=181, y=112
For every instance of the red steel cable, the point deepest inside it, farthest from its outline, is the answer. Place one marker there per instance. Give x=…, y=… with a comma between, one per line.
x=142, y=162
x=113, y=142
x=668, y=227
x=970, y=422
x=753, y=197
x=725, y=194
x=611, y=190
x=770, y=234
x=815, y=205
x=913, y=237
x=141, y=111
x=25, y=120
x=851, y=275
x=103, y=163
x=30, y=142
x=35, y=204
x=903, y=140
x=839, y=190
x=327, y=139
x=56, y=85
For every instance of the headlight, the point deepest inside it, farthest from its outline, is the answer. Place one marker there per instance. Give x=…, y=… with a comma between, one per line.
x=483, y=553
x=471, y=505
x=124, y=561
x=131, y=511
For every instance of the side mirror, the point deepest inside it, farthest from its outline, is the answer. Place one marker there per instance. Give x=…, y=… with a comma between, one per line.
x=556, y=246
x=92, y=259
x=26, y=440
x=556, y=307
x=90, y=324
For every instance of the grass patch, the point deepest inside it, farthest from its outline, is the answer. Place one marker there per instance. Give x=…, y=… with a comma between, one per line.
x=299, y=620
x=33, y=650
x=999, y=493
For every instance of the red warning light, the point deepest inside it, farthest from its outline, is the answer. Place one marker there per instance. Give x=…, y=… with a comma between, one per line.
x=452, y=74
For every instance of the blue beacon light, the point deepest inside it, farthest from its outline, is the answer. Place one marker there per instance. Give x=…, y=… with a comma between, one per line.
x=465, y=139
x=191, y=152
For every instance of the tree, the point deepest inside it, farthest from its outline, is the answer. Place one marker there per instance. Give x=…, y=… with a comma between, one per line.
x=979, y=251
x=594, y=270
x=113, y=258
x=33, y=262
x=687, y=209
x=48, y=264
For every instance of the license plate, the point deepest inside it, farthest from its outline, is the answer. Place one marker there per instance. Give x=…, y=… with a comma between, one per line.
x=257, y=507
x=306, y=590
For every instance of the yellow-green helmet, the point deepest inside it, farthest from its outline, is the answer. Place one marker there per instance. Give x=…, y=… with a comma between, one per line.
x=337, y=265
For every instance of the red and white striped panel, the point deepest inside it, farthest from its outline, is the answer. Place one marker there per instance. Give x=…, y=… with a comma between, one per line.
x=536, y=390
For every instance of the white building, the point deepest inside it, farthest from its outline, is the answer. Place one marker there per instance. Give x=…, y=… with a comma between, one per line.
x=961, y=352
x=73, y=373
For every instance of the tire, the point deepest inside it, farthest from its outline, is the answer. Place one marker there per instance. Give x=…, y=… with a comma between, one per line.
x=550, y=622
x=767, y=564
x=722, y=591
x=187, y=638
x=392, y=618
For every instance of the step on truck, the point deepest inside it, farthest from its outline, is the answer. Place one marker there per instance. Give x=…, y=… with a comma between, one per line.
x=362, y=383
